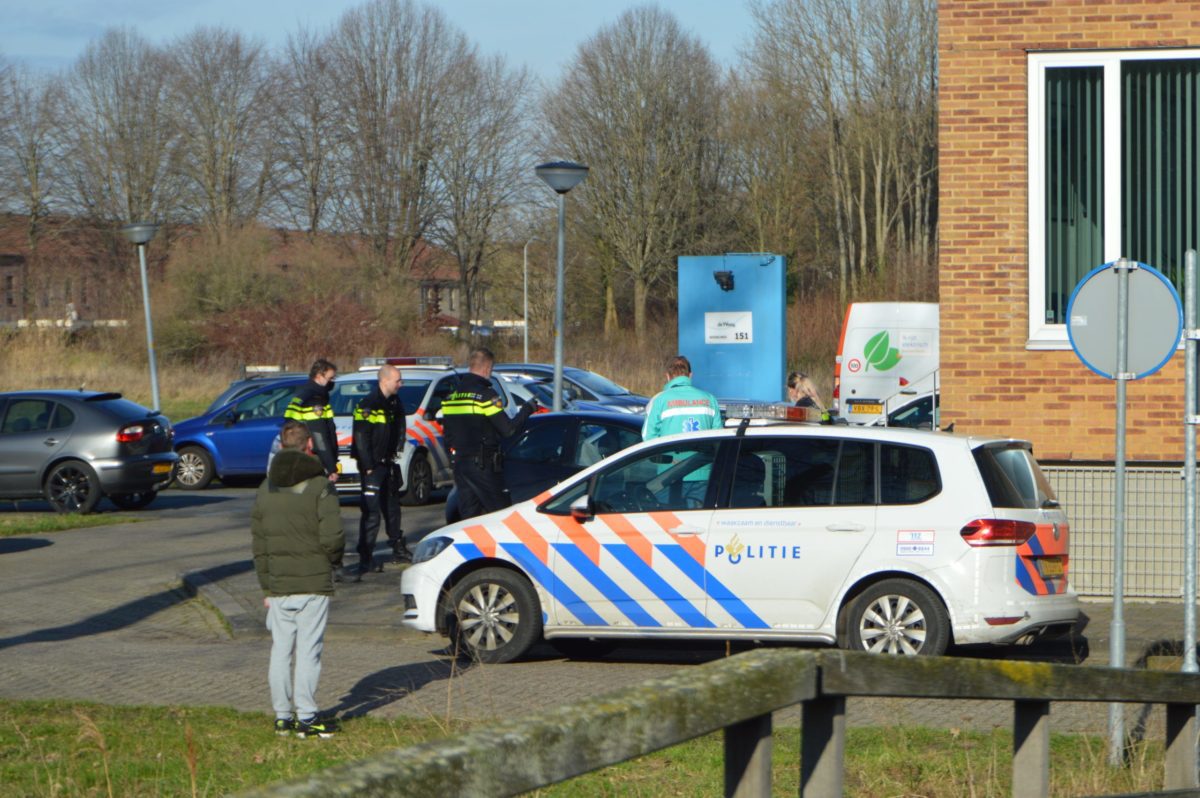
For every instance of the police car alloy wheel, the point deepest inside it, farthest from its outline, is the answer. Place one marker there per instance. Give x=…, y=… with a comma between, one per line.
x=898, y=616
x=495, y=615
x=420, y=481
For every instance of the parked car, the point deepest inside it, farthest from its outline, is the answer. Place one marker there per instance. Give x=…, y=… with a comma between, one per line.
x=245, y=385
x=73, y=447
x=885, y=540
x=542, y=391
x=234, y=439
x=588, y=385
x=553, y=446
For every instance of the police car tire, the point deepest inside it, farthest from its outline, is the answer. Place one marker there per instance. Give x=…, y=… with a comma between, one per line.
x=419, y=484
x=898, y=616
x=483, y=625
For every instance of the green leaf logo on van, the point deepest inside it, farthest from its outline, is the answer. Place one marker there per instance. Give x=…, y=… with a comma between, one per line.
x=880, y=353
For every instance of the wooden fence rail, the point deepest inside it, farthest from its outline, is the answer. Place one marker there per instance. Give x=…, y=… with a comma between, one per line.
x=738, y=695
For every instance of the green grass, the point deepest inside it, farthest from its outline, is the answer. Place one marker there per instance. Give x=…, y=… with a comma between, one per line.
x=18, y=523
x=61, y=748
x=178, y=408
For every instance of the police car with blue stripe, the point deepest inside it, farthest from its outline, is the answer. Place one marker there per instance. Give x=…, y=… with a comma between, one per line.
x=886, y=540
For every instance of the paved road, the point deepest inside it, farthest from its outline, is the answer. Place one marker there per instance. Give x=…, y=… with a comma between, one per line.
x=101, y=615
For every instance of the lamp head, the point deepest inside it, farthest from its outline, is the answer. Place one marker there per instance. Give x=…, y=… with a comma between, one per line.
x=562, y=176
x=139, y=233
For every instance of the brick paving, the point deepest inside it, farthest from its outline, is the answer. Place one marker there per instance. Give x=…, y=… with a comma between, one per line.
x=101, y=614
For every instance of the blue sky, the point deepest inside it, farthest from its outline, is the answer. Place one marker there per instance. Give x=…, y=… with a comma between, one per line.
x=542, y=34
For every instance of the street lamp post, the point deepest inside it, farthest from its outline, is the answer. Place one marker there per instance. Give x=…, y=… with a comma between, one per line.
x=525, y=310
x=140, y=234
x=562, y=176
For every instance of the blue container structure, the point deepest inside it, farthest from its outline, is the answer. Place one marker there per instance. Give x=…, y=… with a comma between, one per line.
x=732, y=325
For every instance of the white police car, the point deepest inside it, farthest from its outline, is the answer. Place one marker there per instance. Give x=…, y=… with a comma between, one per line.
x=889, y=540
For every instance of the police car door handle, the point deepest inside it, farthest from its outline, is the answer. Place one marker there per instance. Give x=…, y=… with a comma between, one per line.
x=845, y=527
x=685, y=531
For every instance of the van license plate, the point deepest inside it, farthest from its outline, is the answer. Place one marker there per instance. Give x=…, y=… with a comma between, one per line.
x=1051, y=566
x=873, y=409
x=161, y=468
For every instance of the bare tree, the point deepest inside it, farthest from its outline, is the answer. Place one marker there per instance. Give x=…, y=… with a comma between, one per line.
x=867, y=70
x=219, y=104
x=305, y=125
x=482, y=168
x=119, y=143
x=29, y=146
x=640, y=105
x=391, y=61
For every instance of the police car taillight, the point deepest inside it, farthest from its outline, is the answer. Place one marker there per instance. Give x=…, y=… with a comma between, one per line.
x=997, y=532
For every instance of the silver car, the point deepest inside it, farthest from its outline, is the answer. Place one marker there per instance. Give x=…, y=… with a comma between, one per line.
x=73, y=447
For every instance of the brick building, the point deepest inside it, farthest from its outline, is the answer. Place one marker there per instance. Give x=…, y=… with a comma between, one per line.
x=1068, y=137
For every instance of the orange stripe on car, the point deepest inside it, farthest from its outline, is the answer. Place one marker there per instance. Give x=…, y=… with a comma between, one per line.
x=482, y=539
x=529, y=536
x=631, y=535
x=692, y=544
x=579, y=536
x=541, y=497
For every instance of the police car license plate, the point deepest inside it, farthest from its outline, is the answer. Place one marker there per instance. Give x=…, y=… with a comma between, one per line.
x=873, y=408
x=1050, y=567
x=160, y=468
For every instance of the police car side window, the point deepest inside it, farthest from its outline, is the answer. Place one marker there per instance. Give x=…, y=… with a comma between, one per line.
x=907, y=474
x=673, y=477
x=802, y=472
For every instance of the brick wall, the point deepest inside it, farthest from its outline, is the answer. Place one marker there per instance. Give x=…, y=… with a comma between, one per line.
x=990, y=383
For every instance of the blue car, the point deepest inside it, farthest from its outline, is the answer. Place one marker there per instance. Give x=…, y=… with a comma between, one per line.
x=235, y=438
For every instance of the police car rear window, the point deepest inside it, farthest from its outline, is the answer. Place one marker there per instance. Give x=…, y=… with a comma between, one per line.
x=1012, y=477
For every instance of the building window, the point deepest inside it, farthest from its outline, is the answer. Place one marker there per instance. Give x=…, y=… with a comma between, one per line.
x=1114, y=151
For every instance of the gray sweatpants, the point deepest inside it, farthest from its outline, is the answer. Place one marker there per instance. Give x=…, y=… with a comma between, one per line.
x=297, y=624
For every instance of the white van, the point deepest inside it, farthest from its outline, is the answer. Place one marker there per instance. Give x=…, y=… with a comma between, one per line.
x=886, y=371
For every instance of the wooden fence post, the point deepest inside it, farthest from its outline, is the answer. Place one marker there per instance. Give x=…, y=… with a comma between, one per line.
x=1031, y=749
x=748, y=758
x=822, y=747
x=1180, y=765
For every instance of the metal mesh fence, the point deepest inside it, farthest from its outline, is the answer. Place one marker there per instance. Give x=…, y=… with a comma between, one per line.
x=1153, y=528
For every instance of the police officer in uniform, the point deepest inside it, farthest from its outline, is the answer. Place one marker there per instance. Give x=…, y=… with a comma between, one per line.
x=474, y=421
x=379, y=427
x=310, y=406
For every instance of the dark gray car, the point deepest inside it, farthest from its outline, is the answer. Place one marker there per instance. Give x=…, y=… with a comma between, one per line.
x=73, y=447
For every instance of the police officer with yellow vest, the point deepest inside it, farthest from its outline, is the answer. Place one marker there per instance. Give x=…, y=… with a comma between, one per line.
x=310, y=406
x=379, y=427
x=475, y=421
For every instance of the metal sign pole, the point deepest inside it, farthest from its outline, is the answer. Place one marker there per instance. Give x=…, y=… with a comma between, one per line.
x=1189, y=465
x=1116, y=648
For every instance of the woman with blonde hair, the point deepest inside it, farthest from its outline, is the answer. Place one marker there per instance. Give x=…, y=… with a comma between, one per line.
x=802, y=392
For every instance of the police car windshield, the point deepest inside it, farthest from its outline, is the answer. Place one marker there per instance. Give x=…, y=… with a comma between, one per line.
x=595, y=383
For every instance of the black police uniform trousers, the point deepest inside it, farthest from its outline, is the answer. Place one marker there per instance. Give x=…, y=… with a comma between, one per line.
x=379, y=501
x=480, y=483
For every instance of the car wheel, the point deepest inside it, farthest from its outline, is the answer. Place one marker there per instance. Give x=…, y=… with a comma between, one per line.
x=419, y=485
x=133, y=501
x=72, y=487
x=898, y=616
x=495, y=615
x=195, y=468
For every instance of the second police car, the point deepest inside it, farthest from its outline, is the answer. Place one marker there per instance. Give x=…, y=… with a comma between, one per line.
x=886, y=540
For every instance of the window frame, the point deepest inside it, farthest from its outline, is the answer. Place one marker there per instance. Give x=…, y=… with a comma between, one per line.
x=1054, y=336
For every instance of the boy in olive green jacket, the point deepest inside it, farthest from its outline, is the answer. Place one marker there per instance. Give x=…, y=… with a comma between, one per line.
x=298, y=541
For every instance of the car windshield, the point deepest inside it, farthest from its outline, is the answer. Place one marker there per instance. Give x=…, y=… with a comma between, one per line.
x=598, y=385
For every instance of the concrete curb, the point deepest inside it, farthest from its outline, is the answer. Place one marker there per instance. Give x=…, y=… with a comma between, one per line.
x=242, y=624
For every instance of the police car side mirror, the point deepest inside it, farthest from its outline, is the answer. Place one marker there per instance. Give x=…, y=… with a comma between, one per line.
x=431, y=415
x=581, y=510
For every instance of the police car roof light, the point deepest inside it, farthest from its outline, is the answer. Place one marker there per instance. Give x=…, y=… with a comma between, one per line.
x=367, y=363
